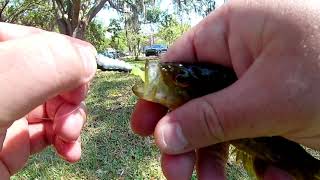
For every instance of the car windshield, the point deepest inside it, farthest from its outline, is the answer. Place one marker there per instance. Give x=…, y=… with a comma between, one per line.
x=156, y=46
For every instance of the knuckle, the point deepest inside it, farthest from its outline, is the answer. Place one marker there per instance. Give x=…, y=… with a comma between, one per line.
x=211, y=121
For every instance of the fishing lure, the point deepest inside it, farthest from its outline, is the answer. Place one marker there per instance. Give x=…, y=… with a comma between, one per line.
x=173, y=84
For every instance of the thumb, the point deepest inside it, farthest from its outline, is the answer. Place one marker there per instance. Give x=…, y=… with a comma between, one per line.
x=39, y=67
x=253, y=106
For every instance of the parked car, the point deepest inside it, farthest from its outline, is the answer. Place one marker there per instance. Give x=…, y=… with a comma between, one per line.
x=106, y=63
x=155, y=50
x=111, y=54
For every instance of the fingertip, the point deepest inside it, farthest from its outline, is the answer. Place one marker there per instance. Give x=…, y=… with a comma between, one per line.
x=37, y=114
x=211, y=162
x=83, y=44
x=178, y=166
x=182, y=49
x=146, y=116
x=170, y=138
x=70, y=152
x=68, y=122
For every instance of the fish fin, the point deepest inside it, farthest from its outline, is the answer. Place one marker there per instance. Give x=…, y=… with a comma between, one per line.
x=247, y=162
x=138, y=72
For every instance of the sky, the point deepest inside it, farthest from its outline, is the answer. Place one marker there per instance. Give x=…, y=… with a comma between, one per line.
x=106, y=14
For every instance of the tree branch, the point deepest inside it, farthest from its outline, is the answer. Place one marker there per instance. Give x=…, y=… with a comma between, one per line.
x=84, y=7
x=63, y=25
x=95, y=9
x=55, y=9
x=69, y=8
x=116, y=7
x=60, y=6
x=12, y=18
x=2, y=9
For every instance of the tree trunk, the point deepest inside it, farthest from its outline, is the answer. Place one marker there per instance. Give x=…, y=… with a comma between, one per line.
x=136, y=53
x=80, y=30
x=4, y=5
x=137, y=50
x=74, y=25
x=128, y=41
x=65, y=28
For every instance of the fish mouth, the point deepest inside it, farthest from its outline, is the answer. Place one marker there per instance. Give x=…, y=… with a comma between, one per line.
x=159, y=86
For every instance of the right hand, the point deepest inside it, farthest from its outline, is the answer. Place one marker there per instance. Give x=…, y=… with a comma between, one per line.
x=274, y=47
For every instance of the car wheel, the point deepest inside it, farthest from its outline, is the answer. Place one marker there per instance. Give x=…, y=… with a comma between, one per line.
x=99, y=67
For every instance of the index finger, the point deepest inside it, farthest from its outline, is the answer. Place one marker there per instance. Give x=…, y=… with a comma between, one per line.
x=146, y=116
x=205, y=42
x=42, y=66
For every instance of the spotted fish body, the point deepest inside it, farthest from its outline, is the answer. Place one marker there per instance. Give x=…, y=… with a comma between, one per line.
x=173, y=84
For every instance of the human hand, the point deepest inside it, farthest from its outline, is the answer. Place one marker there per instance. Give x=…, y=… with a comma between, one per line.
x=44, y=78
x=273, y=46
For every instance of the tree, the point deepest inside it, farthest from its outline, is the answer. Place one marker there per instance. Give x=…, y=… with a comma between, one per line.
x=153, y=17
x=132, y=26
x=115, y=29
x=73, y=16
x=38, y=13
x=171, y=29
x=96, y=35
x=133, y=15
x=121, y=41
x=202, y=7
x=28, y=12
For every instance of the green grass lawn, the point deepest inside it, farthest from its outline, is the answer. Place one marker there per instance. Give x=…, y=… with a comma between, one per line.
x=110, y=149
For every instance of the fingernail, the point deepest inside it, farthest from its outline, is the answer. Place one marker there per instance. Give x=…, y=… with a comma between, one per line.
x=172, y=138
x=88, y=55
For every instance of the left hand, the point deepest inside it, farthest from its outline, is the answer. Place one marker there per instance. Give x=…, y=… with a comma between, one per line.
x=44, y=79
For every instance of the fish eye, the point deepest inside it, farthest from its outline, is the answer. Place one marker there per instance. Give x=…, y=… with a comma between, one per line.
x=182, y=80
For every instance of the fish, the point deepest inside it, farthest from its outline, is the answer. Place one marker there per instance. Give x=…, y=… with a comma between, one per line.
x=172, y=84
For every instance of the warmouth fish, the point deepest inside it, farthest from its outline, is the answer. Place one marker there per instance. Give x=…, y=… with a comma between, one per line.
x=173, y=84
